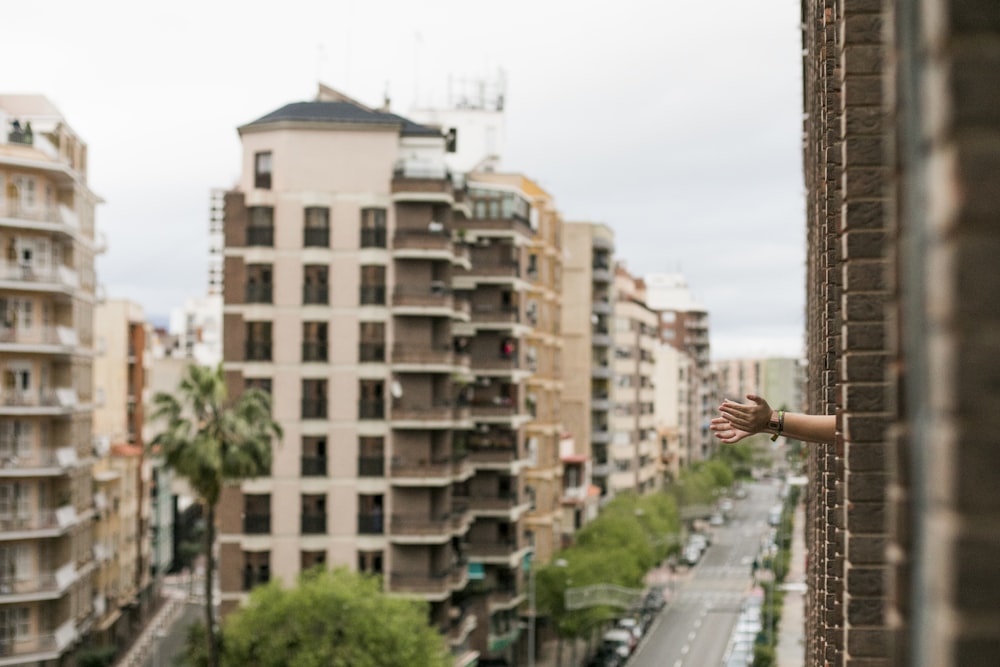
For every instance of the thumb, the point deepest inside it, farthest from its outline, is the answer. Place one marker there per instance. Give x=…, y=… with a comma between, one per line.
x=755, y=398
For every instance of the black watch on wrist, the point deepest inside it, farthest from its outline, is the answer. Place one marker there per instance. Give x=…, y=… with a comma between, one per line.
x=773, y=423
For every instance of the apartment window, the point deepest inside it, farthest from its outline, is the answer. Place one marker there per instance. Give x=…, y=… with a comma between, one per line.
x=260, y=226
x=373, y=234
x=258, y=341
x=371, y=456
x=317, y=227
x=372, y=404
x=259, y=286
x=257, y=513
x=15, y=625
x=372, y=285
x=313, y=517
x=370, y=561
x=256, y=568
x=372, y=342
x=314, y=399
x=262, y=170
x=314, y=344
x=313, y=456
x=316, y=288
x=370, y=515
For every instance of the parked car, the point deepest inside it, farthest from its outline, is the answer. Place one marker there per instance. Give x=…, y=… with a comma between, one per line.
x=619, y=640
x=633, y=625
x=717, y=520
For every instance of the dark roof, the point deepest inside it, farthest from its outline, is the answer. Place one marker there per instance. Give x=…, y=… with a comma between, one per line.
x=342, y=112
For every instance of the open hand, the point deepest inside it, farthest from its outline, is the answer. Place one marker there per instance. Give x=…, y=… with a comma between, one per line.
x=751, y=417
x=725, y=431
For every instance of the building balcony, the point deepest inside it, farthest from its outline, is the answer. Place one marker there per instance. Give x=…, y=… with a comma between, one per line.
x=420, y=528
x=38, y=648
x=600, y=402
x=257, y=351
x=496, y=269
x=504, y=598
x=44, y=522
x=482, y=227
x=38, y=586
x=496, y=552
x=422, y=472
x=371, y=523
x=411, y=183
x=371, y=408
x=59, y=401
x=422, y=244
x=423, y=356
x=31, y=462
x=47, y=278
x=435, y=584
x=60, y=340
x=432, y=299
x=489, y=314
x=600, y=370
x=602, y=306
x=314, y=408
x=499, y=506
x=600, y=434
x=254, y=578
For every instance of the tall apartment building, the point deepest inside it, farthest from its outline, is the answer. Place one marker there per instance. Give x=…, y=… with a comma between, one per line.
x=352, y=257
x=588, y=310
x=47, y=285
x=684, y=325
x=123, y=474
x=634, y=451
x=670, y=406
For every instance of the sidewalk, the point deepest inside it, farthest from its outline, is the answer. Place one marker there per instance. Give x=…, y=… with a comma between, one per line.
x=791, y=650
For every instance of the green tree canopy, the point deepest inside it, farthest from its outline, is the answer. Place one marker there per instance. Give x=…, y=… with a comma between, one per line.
x=331, y=619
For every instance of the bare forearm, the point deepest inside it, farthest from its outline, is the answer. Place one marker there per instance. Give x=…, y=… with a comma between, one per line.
x=812, y=428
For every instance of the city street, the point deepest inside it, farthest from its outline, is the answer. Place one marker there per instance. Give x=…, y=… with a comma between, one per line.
x=694, y=629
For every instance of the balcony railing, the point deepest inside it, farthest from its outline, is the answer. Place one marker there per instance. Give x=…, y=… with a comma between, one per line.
x=373, y=238
x=371, y=408
x=417, y=582
x=420, y=524
x=422, y=354
x=371, y=466
x=314, y=524
x=59, y=275
x=494, y=548
x=372, y=295
x=369, y=352
x=260, y=236
x=316, y=294
x=314, y=237
x=371, y=523
x=252, y=578
x=314, y=408
x=258, y=350
x=314, y=350
x=313, y=466
x=259, y=293
x=257, y=524
x=435, y=467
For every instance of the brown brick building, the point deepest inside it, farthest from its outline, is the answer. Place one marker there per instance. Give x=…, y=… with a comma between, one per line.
x=902, y=168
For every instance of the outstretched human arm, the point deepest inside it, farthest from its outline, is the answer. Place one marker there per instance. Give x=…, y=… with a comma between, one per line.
x=740, y=420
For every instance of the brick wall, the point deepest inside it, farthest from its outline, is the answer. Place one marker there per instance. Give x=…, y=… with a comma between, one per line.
x=902, y=167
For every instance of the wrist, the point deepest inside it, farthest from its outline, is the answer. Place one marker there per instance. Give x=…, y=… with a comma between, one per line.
x=776, y=423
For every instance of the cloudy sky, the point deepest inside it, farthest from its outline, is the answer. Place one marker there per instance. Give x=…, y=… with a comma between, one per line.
x=677, y=123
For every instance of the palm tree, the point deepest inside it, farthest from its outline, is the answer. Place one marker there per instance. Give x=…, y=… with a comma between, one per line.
x=211, y=442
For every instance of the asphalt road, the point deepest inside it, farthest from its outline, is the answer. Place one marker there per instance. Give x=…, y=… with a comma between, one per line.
x=694, y=629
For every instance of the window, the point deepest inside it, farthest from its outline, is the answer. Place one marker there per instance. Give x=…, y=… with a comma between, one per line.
x=371, y=456
x=257, y=513
x=258, y=341
x=259, y=288
x=314, y=345
x=373, y=234
x=372, y=285
x=262, y=170
x=317, y=227
x=372, y=400
x=313, y=456
x=263, y=384
x=260, y=226
x=372, y=344
x=314, y=399
x=316, y=289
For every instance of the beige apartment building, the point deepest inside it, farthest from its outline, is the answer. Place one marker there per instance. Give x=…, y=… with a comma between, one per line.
x=123, y=475
x=47, y=285
x=352, y=257
x=684, y=324
x=634, y=451
x=588, y=310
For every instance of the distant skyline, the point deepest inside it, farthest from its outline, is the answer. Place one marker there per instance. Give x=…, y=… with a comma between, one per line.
x=677, y=124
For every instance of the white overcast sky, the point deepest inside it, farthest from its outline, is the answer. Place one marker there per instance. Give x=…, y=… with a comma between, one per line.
x=676, y=122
